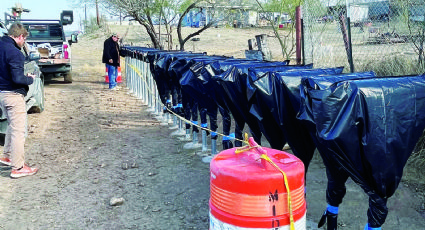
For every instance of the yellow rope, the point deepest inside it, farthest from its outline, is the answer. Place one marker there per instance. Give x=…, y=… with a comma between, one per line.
x=203, y=128
x=285, y=178
x=141, y=76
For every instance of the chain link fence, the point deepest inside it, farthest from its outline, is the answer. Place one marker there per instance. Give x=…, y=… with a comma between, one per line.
x=385, y=36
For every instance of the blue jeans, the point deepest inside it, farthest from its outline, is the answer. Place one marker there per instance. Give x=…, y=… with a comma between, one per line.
x=112, y=74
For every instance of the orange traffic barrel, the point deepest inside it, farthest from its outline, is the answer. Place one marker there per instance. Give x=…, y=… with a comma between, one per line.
x=119, y=77
x=256, y=187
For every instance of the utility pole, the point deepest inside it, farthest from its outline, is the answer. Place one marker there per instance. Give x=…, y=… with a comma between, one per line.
x=97, y=13
x=85, y=17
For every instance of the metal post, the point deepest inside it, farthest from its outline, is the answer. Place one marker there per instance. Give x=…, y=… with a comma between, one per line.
x=180, y=131
x=208, y=159
x=187, y=134
x=302, y=41
x=350, y=58
x=151, y=92
x=129, y=75
x=204, y=141
x=145, y=98
x=194, y=144
x=213, y=147
x=174, y=122
x=136, y=78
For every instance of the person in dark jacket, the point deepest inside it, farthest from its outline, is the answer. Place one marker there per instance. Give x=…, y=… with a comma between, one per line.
x=13, y=88
x=111, y=57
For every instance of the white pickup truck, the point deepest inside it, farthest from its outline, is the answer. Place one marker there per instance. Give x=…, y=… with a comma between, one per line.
x=47, y=39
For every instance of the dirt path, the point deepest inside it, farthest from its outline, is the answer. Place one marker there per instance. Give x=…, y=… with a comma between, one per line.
x=92, y=144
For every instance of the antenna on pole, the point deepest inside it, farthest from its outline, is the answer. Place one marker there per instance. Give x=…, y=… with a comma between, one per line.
x=17, y=10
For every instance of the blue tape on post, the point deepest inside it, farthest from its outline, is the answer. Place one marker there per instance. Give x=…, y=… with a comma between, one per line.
x=370, y=228
x=204, y=125
x=332, y=209
x=230, y=137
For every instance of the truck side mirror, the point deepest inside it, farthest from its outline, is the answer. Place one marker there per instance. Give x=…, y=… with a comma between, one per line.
x=74, y=39
x=67, y=17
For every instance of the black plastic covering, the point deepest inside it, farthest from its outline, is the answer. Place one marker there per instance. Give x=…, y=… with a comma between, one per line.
x=369, y=127
x=274, y=98
x=194, y=88
x=363, y=126
x=207, y=75
x=159, y=63
x=235, y=85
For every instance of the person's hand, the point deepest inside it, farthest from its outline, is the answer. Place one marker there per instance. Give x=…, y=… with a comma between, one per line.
x=111, y=61
x=31, y=75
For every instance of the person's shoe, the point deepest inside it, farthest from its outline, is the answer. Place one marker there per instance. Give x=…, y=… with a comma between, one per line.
x=24, y=171
x=6, y=161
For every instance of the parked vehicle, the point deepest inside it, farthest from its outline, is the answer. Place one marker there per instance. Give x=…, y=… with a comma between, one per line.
x=47, y=39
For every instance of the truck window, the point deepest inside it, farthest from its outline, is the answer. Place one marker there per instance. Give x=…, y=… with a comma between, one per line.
x=44, y=32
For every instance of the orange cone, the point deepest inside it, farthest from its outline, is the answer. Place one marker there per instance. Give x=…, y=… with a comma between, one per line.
x=119, y=78
x=106, y=76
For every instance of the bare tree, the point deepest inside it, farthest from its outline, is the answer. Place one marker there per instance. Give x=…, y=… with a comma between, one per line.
x=414, y=17
x=142, y=11
x=154, y=15
x=195, y=5
x=280, y=8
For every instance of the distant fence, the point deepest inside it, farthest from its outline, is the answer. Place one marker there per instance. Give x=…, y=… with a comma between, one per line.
x=386, y=36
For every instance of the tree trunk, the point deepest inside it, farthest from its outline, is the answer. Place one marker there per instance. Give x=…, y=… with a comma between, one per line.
x=150, y=30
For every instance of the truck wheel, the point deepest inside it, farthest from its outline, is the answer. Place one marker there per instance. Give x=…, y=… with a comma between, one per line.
x=39, y=97
x=67, y=78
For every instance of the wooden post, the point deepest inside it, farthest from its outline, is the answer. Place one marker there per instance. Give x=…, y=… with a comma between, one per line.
x=298, y=34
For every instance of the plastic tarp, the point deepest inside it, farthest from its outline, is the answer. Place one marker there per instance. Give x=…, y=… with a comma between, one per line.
x=212, y=69
x=274, y=102
x=369, y=127
x=234, y=83
x=161, y=66
x=191, y=85
x=158, y=62
x=194, y=86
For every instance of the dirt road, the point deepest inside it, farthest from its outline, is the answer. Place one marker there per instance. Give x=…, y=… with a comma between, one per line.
x=92, y=145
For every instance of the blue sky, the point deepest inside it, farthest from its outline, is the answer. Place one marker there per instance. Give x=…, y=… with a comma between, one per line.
x=46, y=9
